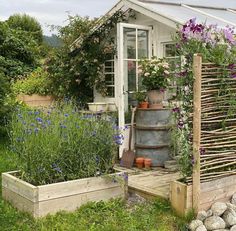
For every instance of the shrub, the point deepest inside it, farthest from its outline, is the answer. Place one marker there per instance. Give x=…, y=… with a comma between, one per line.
x=62, y=144
x=38, y=82
x=4, y=107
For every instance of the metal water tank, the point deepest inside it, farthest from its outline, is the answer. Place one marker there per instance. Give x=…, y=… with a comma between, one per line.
x=152, y=135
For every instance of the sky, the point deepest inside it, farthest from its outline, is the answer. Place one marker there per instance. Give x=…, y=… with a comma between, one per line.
x=54, y=12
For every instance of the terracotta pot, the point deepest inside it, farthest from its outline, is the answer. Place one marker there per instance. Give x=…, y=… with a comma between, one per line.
x=143, y=104
x=147, y=163
x=155, y=98
x=139, y=162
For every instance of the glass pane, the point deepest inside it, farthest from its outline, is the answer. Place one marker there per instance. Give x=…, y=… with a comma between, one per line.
x=142, y=44
x=129, y=43
x=109, y=78
x=131, y=67
x=169, y=50
x=110, y=91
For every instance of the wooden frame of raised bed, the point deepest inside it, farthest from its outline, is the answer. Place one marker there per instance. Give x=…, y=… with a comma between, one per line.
x=181, y=195
x=36, y=100
x=214, y=155
x=69, y=195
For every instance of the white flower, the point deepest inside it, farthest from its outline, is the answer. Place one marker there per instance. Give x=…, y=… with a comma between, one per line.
x=166, y=72
x=146, y=74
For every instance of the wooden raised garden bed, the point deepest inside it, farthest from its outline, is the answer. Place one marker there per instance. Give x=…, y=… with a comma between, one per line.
x=181, y=196
x=49, y=199
x=36, y=100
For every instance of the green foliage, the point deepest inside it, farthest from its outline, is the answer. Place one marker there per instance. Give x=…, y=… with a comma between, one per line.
x=62, y=144
x=37, y=82
x=154, y=74
x=79, y=72
x=216, y=45
x=4, y=109
x=24, y=22
x=140, y=96
x=18, y=51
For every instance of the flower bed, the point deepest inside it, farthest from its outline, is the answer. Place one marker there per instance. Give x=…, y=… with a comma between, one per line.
x=49, y=199
x=64, y=148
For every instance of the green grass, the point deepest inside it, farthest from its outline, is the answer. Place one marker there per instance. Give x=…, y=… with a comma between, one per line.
x=102, y=216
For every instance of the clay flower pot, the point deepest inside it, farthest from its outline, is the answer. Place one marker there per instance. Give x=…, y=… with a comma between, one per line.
x=139, y=162
x=143, y=104
x=147, y=163
x=155, y=98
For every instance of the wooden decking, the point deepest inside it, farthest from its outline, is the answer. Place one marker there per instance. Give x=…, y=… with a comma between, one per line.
x=150, y=183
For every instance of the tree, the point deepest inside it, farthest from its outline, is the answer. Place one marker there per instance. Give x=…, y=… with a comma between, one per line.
x=18, y=51
x=28, y=24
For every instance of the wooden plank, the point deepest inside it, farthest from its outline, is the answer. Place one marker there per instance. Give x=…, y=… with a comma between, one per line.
x=20, y=202
x=217, y=194
x=74, y=187
x=223, y=182
x=73, y=202
x=197, y=69
x=19, y=186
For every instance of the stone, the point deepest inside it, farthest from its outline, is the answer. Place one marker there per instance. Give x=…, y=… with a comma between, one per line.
x=214, y=222
x=218, y=208
x=229, y=217
x=221, y=229
x=201, y=215
x=209, y=213
x=233, y=228
x=195, y=224
x=231, y=206
x=233, y=199
x=201, y=228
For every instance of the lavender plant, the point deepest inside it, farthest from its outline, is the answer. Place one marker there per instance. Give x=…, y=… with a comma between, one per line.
x=62, y=144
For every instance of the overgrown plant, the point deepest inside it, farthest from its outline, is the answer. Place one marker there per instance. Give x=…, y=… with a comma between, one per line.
x=61, y=144
x=216, y=45
x=77, y=73
x=37, y=82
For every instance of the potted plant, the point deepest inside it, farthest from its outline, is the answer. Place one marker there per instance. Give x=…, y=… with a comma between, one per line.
x=155, y=78
x=141, y=98
x=65, y=159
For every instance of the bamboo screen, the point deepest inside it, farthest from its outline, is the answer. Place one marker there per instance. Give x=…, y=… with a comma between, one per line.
x=217, y=154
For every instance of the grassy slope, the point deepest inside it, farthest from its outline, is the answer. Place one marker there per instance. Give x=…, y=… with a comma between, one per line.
x=100, y=216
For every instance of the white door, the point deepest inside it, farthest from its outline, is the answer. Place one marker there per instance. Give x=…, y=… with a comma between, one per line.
x=134, y=43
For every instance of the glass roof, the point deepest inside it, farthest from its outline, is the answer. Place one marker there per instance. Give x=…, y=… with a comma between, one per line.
x=180, y=13
x=206, y=3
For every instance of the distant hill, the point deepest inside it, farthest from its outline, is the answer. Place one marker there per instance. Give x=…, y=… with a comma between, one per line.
x=52, y=41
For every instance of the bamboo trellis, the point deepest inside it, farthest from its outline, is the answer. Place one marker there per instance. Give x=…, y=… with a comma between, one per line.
x=214, y=123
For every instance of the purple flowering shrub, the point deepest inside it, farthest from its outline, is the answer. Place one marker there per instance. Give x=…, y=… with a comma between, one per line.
x=216, y=45
x=61, y=143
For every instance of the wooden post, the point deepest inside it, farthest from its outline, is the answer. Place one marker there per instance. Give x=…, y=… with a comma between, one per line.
x=197, y=70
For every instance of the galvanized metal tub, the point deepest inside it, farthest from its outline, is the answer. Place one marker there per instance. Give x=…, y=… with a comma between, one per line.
x=152, y=135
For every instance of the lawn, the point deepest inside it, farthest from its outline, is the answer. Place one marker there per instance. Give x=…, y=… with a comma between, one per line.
x=102, y=216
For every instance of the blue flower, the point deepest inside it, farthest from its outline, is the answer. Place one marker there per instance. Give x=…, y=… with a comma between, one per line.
x=48, y=121
x=66, y=115
x=36, y=130
x=30, y=113
x=36, y=112
x=56, y=168
x=20, y=116
x=39, y=120
x=62, y=125
x=32, y=124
